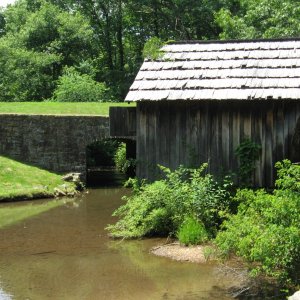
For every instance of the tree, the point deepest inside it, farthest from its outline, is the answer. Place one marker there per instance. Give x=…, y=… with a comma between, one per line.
x=2, y=23
x=260, y=19
x=25, y=75
x=121, y=29
x=36, y=46
x=51, y=30
x=75, y=87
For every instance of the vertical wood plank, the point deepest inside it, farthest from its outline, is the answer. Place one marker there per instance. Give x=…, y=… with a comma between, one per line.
x=231, y=157
x=183, y=135
x=208, y=132
x=213, y=158
x=269, y=146
x=163, y=135
x=258, y=136
x=279, y=128
x=192, y=140
x=263, y=145
x=285, y=130
x=202, y=156
x=141, y=169
x=236, y=125
x=225, y=139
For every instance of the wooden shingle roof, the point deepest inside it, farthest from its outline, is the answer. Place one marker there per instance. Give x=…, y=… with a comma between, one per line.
x=218, y=70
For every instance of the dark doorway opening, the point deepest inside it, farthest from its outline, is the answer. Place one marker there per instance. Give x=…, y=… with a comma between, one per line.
x=101, y=157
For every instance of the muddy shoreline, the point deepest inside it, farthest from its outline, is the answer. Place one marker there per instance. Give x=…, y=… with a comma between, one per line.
x=246, y=287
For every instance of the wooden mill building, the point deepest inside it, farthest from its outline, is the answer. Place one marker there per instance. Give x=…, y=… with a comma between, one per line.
x=200, y=100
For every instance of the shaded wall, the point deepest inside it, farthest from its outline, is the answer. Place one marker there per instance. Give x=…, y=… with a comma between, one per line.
x=171, y=133
x=55, y=143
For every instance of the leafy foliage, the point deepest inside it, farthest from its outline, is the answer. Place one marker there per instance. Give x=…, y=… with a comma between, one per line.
x=107, y=38
x=266, y=228
x=288, y=176
x=191, y=232
x=120, y=158
x=75, y=87
x=160, y=208
x=259, y=19
x=36, y=46
x=2, y=23
x=124, y=165
x=25, y=75
x=152, y=49
x=248, y=153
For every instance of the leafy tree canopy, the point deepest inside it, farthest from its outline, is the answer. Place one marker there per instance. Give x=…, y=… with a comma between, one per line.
x=260, y=19
x=105, y=38
x=36, y=45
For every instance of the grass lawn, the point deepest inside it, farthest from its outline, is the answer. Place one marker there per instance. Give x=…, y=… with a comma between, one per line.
x=20, y=181
x=59, y=108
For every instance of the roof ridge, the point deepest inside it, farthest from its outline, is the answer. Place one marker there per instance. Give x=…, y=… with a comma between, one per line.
x=233, y=41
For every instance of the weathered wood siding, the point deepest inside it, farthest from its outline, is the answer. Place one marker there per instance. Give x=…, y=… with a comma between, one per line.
x=171, y=133
x=122, y=122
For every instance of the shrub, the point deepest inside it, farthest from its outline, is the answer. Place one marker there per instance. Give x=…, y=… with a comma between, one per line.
x=266, y=228
x=161, y=207
x=248, y=153
x=124, y=165
x=120, y=158
x=288, y=176
x=191, y=232
x=143, y=213
x=75, y=87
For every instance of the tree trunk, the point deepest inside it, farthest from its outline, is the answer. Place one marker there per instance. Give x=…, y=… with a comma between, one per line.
x=120, y=35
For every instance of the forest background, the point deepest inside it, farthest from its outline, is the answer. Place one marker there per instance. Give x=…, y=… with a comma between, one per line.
x=91, y=50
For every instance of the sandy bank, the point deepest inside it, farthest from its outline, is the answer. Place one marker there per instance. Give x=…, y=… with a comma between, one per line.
x=178, y=252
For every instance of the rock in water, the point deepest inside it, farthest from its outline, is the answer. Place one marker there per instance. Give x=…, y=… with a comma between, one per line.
x=296, y=296
x=72, y=177
x=76, y=179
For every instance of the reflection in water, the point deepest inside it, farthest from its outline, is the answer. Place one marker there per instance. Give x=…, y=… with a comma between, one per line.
x=65, y=253
x=14, y=213
x=3, y=295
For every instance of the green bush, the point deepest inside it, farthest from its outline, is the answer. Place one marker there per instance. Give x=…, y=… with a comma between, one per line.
x=160, y=208
x=191, y=232
x=288, y=176
x=143, y=213
x=248, y=153
x=120, y=158
x=266, y=228
x=75, y=87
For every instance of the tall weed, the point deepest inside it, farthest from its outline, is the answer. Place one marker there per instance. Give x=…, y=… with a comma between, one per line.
x=191, y=232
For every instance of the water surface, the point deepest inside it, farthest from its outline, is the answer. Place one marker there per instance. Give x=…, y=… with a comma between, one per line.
x=65, y=253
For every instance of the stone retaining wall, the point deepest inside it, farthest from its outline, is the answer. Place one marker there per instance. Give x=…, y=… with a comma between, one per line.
x=55, y=143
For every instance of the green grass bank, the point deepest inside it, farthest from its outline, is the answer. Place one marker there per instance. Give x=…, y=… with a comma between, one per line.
x=59, y=108
x=19, y=181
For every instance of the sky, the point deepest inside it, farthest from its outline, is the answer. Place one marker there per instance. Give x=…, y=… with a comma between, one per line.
x=3, y=3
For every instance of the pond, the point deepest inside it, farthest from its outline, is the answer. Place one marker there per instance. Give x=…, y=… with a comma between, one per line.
x=65, y=253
